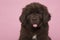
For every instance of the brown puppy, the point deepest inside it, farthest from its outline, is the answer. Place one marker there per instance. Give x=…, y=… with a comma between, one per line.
x=34, y=22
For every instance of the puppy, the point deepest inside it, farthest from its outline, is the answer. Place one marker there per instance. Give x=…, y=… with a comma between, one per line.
x=34, y=22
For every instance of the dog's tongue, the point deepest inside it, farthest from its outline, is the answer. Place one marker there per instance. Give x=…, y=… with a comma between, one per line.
x=35, y=25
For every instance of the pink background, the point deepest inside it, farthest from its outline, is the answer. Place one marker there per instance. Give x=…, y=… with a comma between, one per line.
x=10, y=11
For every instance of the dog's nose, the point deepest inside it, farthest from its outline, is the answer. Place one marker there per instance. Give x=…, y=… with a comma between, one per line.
x=34, y=19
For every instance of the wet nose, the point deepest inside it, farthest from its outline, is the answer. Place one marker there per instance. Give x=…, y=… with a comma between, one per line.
x=34, y=19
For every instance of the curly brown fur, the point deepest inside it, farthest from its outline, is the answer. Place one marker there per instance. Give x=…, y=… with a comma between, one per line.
x=34, y=13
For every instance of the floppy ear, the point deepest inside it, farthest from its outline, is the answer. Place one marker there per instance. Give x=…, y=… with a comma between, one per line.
x=46, y=15
x=22, y=18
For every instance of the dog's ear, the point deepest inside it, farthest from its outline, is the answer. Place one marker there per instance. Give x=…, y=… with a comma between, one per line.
x=46, y=15
x=22, y=18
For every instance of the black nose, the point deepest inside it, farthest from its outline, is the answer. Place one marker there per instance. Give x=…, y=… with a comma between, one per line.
x=34, y=19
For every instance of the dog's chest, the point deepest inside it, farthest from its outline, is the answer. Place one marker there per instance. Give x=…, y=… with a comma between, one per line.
x=34, y=37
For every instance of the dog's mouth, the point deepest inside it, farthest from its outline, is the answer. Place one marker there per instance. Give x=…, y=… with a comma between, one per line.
x=35, y=25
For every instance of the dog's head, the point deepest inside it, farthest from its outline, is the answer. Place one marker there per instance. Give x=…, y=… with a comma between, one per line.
x=35, y=14
x=34, y=19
